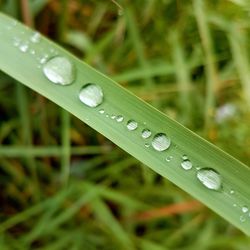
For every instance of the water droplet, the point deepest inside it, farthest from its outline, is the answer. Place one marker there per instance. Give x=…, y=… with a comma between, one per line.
x=146, y=133
x=186, y=164
x=161, y=142
x=91, y=95
x=112, y=117
x=209, y=178
x=231, y=191
x=119, y=118
x=147, y=145
x=101, y=111
x=44, y=59
x=132, y=125
x=244, y=209
x=169, y=158
x=184, y=157
x=16, y=41
x=36, y=37
x=107, y=115
x=242, y=218
x=235, y=205
x=24, y=47
x=32, y=52
x=59, y=70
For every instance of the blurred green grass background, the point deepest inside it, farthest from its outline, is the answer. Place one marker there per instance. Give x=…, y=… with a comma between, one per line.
x=64, y=186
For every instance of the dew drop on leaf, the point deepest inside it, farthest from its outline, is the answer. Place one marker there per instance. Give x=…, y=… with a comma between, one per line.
x=36, y=37
x=169, y=158
x=244, y=209
x=210, y=178
x=101, y=111
x=91, y=95
x=146, y=133
x=59, y=70
x=24, y=47
x=186, y=164
x=161, y=142
x=119, y=118
x=132, y=125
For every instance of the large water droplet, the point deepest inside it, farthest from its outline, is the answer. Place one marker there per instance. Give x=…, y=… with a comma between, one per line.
x=146, y=133
x=132, y=125
x=59, y=70
x=91, y=95
x=36, y=37
x=244, y=209
x=161, y=142
x=186, y=164
x=209, y=178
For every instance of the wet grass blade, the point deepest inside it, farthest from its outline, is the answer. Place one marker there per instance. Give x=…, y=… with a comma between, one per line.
x=26, y=68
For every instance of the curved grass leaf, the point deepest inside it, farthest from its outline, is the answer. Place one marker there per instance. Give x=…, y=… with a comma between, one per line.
x=26, y=68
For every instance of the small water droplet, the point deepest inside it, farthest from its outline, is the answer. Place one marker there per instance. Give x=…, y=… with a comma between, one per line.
x=101, y=111
x=209, y=178
x=146, y=133
x=132, y=125
x=184, y=157
x=24, y=47
x=231, y=191
x=147, y=145
x=36, y=37
x=242, y=218
x=186, y=164
x=107, y=115
x=169, y=158
x=161, y=142
x=32, y=52
x=119, y=118
x=16, y=41
x=44, y=59
x=244, y=209
x=59, y=70
x=91, y=95
x=235, y=205
x=112, y=117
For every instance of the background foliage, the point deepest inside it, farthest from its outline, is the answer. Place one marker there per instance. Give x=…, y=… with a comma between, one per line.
x=188, y=60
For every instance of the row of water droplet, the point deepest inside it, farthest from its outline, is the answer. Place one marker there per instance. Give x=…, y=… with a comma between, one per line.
x=60, y=70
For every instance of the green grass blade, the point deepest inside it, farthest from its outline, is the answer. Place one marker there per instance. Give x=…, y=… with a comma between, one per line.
x=235, y=175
